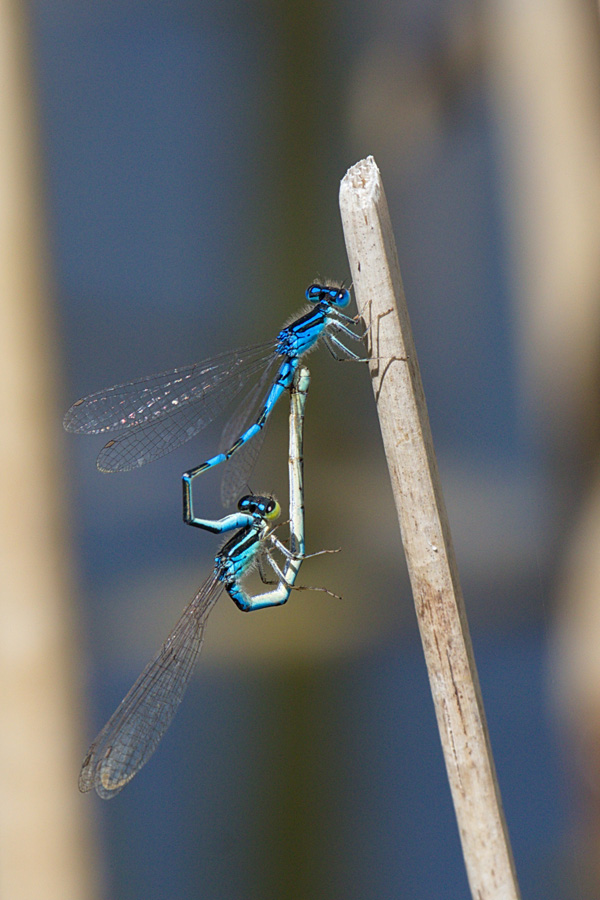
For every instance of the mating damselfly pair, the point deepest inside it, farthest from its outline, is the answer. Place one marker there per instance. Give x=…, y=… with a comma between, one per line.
x=154, y=415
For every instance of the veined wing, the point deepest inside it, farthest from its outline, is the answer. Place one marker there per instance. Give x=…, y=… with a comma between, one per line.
x=135, y=729
x=138, y=402
x=137, y=446
x=240, y=466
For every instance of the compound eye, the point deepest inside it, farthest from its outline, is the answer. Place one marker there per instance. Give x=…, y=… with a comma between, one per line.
x=313, y=293
x=273, y=509
x=247, y=504
x=342, y=298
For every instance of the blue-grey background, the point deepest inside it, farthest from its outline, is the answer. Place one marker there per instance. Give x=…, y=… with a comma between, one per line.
x=192, y=154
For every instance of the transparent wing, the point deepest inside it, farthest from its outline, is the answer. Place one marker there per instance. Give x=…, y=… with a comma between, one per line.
x=240, y=466
x=135, y=729
x=141, y=445
x=239, y=469
x=149, y=398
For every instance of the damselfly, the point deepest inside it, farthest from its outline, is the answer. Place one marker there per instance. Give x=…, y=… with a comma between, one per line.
x=158, y=413
x=135, y=729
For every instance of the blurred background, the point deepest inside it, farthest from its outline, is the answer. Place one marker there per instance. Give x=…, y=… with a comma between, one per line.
x=169, y=175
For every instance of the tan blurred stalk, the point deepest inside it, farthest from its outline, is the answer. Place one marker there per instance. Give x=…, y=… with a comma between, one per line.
x=576, y=668
x=44, y=843
x=545, y=80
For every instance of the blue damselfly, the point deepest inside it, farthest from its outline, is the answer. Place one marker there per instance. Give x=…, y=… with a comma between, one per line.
x=153, y=415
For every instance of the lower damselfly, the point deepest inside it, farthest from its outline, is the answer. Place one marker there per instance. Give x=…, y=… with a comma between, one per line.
x=135, y=729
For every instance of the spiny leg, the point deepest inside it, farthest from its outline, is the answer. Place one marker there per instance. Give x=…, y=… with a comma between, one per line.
x=297, y=587
x=333, y=345
x=336, y=325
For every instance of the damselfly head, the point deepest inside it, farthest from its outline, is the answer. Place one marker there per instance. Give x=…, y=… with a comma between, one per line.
x=257, y=505
x=335, y=294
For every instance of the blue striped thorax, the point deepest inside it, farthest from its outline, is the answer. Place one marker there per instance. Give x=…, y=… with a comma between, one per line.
x=238, y=554
x=299, y=337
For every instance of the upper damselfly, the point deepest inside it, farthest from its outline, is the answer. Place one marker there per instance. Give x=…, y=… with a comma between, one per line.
x=153, y=415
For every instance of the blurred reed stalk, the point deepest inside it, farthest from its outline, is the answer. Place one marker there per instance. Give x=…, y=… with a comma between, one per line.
x=544, y=76
x=426, y=535
x=45, y=847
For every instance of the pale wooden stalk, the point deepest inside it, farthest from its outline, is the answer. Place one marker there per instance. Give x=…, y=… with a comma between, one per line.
x=426, y=535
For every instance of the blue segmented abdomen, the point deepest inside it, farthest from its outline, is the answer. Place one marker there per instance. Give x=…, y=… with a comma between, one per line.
x=283, y=380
